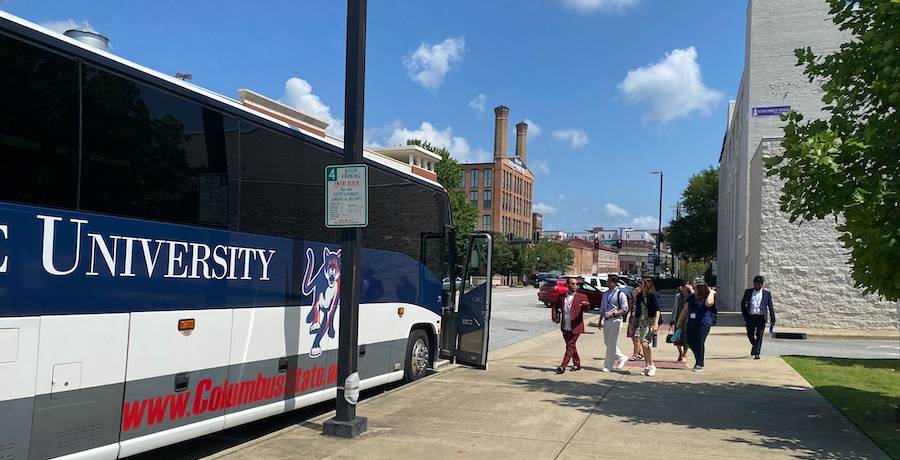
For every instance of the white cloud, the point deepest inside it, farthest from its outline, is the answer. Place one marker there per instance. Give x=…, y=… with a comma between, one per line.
x=428, y=64
x=673, y=87
x=457, y=145
x=561, y=197
x=375, y=136
x=478, y=102
x=541, y=167
x=614, y=211
x=544, y=209
x=66, y=24
x=534, y=129
x=298, y=93
x=644, y=222
x=575, y=137
x=590, y=6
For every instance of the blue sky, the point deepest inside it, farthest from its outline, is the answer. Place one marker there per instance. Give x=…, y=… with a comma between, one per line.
x=616, y=88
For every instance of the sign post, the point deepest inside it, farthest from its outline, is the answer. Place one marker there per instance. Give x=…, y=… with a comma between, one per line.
x=346, y=207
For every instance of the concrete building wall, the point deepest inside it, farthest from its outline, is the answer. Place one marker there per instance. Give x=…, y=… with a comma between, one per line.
x=770, y=78
x=806, y=268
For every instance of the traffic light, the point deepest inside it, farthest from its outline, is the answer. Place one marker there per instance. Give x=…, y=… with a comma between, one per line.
x=596, y=244
x=619, y=243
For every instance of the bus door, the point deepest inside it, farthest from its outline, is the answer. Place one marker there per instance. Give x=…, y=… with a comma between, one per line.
x=474, y=310
x=438, y=256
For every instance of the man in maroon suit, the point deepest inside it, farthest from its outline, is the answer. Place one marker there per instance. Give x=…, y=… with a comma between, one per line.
x=568, y=312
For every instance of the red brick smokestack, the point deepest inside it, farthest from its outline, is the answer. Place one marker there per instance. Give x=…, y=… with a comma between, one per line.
x=521, y=140
x=501, y=125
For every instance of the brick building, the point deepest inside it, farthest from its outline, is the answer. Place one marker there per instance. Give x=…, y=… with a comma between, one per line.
x=591, y=261
x=502, y=190
x=537, y=226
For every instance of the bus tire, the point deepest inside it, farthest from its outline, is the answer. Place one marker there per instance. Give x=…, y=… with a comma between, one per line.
x=418, y=355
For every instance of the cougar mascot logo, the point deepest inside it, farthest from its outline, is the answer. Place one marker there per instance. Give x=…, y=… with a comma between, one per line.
x=325, y=288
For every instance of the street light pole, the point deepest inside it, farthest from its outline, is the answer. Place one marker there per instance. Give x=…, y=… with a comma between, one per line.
x=346, y=423
x=659, y=228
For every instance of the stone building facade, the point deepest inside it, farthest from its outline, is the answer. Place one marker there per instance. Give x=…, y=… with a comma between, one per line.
x=804, y=264
x=503, y=189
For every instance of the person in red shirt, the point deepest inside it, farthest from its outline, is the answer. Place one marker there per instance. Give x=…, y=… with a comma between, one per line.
x=568, y=311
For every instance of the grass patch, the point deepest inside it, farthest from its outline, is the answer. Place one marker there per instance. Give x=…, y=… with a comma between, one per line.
x=867, y=391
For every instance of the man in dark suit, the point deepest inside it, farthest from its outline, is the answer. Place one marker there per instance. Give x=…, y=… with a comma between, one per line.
x=756, y=302
x=568, y=311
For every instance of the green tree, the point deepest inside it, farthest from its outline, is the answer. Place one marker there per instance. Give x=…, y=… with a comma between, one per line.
x=449, y=174
x=848, y=166
x=505, y=257
x=550, y=256
x=693, y=233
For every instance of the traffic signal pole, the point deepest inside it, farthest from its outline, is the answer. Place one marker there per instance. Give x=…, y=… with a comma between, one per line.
x=346, y=423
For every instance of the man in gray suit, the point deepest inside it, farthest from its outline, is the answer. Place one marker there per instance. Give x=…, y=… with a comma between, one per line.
x=756, y=302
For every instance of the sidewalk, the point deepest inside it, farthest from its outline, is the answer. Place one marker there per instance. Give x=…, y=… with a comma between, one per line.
x=518, y=408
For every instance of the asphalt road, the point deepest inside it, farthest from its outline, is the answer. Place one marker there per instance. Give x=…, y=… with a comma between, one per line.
x=516, y=314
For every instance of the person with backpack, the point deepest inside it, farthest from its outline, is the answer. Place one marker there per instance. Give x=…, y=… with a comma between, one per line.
x=699, y=315
x=646, y=312
x=614, y=307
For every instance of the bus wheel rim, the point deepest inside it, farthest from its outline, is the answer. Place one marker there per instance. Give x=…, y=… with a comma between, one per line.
x=419, y=357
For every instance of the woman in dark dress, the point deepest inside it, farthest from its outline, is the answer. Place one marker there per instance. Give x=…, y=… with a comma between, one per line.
x=698, y=315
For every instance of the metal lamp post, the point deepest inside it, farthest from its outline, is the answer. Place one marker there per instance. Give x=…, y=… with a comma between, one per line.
x=659, y=228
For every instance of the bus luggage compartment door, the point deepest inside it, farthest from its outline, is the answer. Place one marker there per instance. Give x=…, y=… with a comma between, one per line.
x=174, y=385
x=18, y=365
x=79, y=384
x=474, y=313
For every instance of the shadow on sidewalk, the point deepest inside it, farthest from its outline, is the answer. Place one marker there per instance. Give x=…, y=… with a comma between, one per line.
x=788, y=419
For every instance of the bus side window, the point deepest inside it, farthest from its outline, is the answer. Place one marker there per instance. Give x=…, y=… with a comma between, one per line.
x=38, y=126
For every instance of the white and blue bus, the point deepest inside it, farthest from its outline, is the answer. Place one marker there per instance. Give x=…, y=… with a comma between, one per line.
x=165, y=271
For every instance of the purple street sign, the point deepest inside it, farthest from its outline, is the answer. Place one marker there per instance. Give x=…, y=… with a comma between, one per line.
x=770, y=111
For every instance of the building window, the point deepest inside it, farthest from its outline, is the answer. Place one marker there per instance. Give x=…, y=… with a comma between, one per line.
x=473, y=197
x=474, y=178
x=486, y=223
x=462, y=179
x=488, y=198
x=488, y=178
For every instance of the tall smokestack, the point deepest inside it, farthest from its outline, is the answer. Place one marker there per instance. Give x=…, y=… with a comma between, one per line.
x=521, y=140
x=501, y=124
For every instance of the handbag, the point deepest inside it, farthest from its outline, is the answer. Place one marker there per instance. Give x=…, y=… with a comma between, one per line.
x=675, y=336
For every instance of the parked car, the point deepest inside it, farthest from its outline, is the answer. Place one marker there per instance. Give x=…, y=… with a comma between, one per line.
x=538, y=278
x=545, y=290
x=594, y=294
x=550, y=292
x=446, y=283
x=599, y=281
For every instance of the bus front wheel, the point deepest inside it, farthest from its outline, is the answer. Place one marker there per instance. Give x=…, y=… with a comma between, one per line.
x=417, y=355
